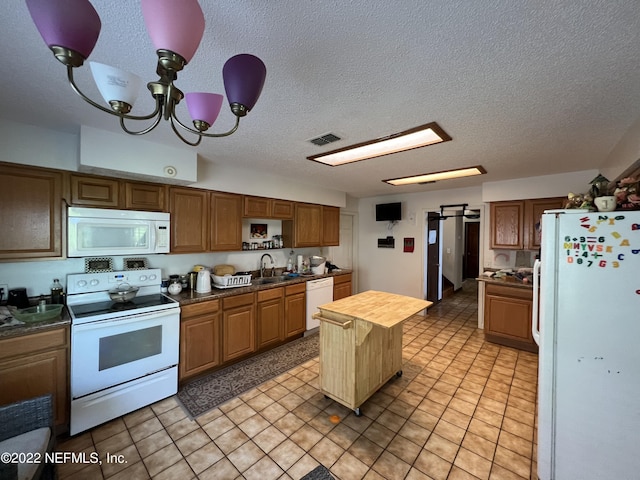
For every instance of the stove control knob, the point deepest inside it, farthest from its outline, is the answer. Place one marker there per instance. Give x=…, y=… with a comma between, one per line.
x=143, y=278
x=82, y=283
x=94, y=282
x=152, y=277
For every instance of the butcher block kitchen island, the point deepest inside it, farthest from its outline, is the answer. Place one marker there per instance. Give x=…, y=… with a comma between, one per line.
x=361, y=344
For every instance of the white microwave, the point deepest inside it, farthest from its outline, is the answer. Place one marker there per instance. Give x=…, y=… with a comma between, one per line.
x=104, y=232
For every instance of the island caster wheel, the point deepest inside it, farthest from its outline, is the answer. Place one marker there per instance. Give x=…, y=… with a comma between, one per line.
x=357, y=412
x=399, y=373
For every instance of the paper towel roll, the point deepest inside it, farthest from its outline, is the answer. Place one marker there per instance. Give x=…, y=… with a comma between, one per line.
x=299, y=263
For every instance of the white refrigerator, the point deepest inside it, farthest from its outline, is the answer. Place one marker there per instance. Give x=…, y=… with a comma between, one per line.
x=588, y=330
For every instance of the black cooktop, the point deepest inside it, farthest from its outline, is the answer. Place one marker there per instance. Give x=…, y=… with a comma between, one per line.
x=99, y=308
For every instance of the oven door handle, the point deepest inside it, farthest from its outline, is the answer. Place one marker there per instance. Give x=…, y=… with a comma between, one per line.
x=129, y=319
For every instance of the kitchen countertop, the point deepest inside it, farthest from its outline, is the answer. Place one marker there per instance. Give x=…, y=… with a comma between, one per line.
x=190, y=297
x=506, y=281
x=34, y=327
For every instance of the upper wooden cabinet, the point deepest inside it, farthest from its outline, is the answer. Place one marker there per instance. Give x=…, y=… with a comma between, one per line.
x=515, y=224
x=106, y=192
x=312, y=226
x=226, y=221
x=533, y=210
x=145, y=196
x=330, y=226
x=261, y=207
x=189, y=208
x=31, y=210
x=507, y=225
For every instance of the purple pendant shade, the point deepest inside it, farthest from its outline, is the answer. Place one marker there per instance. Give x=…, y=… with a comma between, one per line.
x=244, y=77
x=73, y=24
x=176, y=25
x=204, y=106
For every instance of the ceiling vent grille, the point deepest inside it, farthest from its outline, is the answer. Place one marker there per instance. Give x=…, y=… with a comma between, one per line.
x=325, y=139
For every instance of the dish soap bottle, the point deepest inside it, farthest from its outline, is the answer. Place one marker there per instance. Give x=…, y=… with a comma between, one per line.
x=56, y=292
x=290, y=265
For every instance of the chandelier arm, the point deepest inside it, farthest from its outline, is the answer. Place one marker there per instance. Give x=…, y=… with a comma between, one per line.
x=141, y=132
x=104, y=109
x=175, y=130
x=203, y=134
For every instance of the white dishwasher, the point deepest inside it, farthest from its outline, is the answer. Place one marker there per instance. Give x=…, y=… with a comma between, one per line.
x=319, y=292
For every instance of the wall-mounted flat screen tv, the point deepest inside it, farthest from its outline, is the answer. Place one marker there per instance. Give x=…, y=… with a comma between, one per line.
x=389, y=212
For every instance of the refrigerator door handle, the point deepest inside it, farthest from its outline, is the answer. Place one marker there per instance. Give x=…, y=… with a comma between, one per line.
x=535, y=330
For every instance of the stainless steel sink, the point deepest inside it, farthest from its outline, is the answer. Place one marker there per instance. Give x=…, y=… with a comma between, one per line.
x=267, y=280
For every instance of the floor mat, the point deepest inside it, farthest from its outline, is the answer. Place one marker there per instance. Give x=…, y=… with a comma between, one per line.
x=318, y=473
x=205, y=393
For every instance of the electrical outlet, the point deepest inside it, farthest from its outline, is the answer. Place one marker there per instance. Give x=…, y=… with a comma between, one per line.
x=4, y=290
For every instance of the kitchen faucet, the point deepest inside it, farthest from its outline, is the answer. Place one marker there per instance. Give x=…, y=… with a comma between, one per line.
x=262, y=264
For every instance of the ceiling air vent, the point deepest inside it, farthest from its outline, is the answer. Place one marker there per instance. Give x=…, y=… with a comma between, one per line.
x=325, y=139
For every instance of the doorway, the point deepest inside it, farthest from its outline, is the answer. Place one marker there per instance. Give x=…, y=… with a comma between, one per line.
x=433, y=264
x=471, y=260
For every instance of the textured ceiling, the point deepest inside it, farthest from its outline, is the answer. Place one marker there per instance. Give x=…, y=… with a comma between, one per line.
x=523, y=88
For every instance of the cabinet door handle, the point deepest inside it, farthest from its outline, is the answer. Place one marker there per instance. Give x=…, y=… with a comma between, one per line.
x=344, y=325
x=535, y=331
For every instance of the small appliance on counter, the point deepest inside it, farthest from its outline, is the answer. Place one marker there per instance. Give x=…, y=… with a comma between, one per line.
x=18, y=298
x=203, y=282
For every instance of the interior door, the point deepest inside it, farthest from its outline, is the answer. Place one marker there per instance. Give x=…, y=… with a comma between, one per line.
x=471, y=265
x=434, y=269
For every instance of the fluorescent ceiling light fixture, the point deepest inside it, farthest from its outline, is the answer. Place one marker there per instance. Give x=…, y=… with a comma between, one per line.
x=398, y=142
x=436, y=176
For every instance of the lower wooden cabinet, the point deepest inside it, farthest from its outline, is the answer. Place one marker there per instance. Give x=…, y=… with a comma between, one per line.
x=199, y=338
x=295, y=310
x=270, y=306
x=342, y=286
x=238, y=326
x=36, y=364
x=508, y=316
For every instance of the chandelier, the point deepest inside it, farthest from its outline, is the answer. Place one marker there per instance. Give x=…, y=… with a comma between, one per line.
x=70, y=28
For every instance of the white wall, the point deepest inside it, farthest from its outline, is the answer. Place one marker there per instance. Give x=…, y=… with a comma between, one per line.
x=625, y=153
x=390, y=269
x=538, y=187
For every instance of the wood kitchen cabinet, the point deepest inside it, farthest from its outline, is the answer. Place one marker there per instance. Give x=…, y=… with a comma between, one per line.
x=507, y=316
x=107, y=192
x=261, y=207
x=31, y=209
x=515, y=224
x=270, y=312
x=330, y=226
x=295, y=310
x=199, y=338
x=507, y=225
x=238, y=326
x=533, y=210
x=37, y=364
x=312, y=226
x=342, y=286
x=189, y=209
x=226, y=221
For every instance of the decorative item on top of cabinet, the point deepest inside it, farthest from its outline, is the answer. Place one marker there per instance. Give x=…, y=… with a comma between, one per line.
x=295, y=310
x=199, y=338
x=226, y=221
x=342, y=286
x=269, y=316
x=238, y=326
x=37, y=234
x=189, y=209
x=36, y=364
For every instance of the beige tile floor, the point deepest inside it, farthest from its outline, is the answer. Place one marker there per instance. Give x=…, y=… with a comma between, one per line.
x=463, y=409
